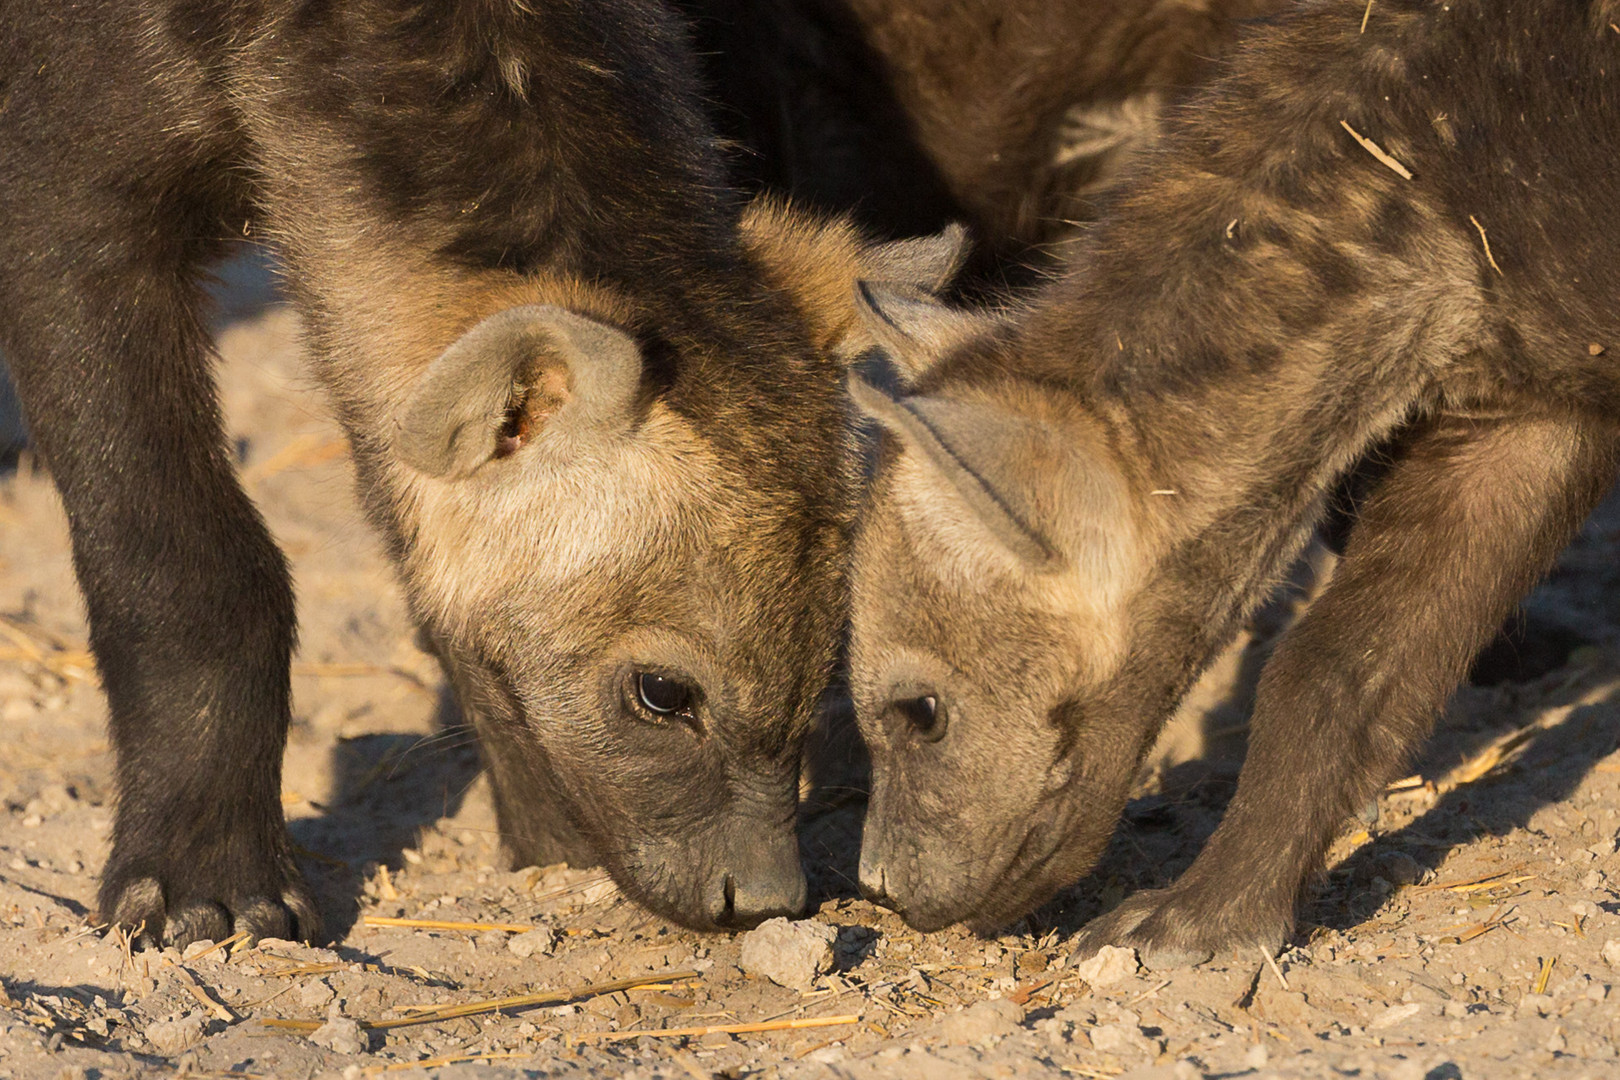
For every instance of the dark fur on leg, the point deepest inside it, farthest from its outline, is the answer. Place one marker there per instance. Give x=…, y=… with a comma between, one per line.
x=1472, y=513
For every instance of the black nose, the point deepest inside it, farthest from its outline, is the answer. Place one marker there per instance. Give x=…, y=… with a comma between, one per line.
x=747, y=900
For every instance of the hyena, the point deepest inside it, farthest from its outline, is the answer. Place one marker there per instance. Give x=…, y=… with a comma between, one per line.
x=1405, y=234
x=603, y=450
x=1008, y=115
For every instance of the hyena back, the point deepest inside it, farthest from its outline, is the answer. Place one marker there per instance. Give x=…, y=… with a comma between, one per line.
x=1009, y=115
x=576, y=413
x=1406, y=234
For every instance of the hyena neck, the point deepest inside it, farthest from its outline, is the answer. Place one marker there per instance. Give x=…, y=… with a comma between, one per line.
x=1241, y=361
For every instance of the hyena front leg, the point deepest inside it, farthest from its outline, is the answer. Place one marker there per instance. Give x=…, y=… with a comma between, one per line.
x=189, y=600
x=1472, y=513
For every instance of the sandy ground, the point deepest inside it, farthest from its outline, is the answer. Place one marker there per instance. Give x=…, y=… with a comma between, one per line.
x=1472, y=931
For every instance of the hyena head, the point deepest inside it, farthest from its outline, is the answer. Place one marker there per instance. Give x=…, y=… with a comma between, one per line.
x=626, y=528
x=994, y=555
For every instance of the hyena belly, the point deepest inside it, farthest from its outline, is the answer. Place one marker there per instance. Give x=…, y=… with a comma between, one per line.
x=1402, y=235
x=577, y=415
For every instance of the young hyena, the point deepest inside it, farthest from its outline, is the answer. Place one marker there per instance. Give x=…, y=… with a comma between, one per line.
x=1409, y=232
x=577, y=411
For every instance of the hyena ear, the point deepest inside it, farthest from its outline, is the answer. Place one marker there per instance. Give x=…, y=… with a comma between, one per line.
x=520, y=373
x=914, y=328
x=975, y=451
x=813, y=261
x=928, y=263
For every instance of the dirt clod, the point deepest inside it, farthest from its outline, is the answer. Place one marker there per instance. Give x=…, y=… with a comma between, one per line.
x=1110, y=965
x=980, y=1025
x=175, y=1034
x=341, y=1034
x=532, y=942
x=791, y=954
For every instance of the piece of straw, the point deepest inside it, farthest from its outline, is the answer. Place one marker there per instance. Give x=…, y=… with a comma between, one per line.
x=1376, y=151
x=195, y=989
x=1465, y=884
x=1466, y=934
x=1547, y=966
x=1022, y=994
x=448, y=924
x=240, y=935
x=385, y=883
x=1271, y=962
x=521, y=1001
x=728, y=1029
x=303, y=452
x=1365, y=15
x=1483, y=239
x=325, y=968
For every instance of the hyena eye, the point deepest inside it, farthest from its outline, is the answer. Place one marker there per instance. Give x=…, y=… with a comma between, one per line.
x=925, y=716
x=661, y=695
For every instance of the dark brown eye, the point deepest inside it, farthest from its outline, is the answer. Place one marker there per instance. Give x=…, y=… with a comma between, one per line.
x=661, y=695
x=924, y=715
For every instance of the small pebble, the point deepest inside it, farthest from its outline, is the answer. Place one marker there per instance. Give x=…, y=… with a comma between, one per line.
x=1394, y=1015
x=171, y=1036
x=316, y=995
x=340, y=1034
x=532, y=942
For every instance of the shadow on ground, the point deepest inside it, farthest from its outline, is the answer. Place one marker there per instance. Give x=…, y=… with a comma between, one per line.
x=386, y=788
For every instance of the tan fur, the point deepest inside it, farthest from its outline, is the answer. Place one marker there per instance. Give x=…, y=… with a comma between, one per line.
x=815, y=262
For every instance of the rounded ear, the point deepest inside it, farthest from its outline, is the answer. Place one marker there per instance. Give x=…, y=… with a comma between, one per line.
x=913, y=328
x=519, y=375
x=928, y=263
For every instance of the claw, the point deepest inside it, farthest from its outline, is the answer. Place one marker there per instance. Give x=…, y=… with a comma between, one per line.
x=1170, y=959
x=198, y=921
x=188, y=911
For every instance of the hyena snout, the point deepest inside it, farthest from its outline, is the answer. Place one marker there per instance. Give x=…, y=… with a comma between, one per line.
x=752, y=887
x=896, y=880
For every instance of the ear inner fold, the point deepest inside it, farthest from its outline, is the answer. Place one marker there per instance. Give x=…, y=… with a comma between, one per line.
x=925, y=425
x=585, y=376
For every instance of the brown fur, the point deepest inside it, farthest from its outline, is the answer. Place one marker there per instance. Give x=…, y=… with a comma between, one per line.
x=1266, y=304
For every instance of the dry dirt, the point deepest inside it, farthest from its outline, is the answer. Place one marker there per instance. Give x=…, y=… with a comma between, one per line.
x=1471, y=932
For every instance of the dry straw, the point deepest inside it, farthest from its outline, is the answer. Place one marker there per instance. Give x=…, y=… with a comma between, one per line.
x=449, y=924
x=433, y=1014
x=1377, y=151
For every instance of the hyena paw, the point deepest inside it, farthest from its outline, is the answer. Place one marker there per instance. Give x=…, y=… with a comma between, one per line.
x=179, y=908
x=1183, y=927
